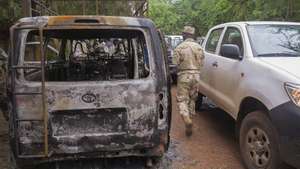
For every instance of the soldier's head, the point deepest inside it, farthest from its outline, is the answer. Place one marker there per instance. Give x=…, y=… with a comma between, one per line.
x=188, y=32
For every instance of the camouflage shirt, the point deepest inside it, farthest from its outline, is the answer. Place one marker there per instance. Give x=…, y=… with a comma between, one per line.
x=189, y=57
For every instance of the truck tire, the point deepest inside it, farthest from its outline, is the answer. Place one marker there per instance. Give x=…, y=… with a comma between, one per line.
x=259, y=142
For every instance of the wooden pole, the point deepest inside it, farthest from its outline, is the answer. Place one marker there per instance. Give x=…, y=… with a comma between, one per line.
x=101, y=7
x=83, y=7
x=26, y=8
x=97, y=7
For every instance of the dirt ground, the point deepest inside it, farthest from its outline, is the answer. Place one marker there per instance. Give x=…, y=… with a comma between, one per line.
x=212, y=146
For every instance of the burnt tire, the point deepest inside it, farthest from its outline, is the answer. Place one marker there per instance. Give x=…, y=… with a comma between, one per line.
x=258, y=140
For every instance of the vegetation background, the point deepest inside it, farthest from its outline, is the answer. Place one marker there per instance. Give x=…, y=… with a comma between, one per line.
x=172, y=15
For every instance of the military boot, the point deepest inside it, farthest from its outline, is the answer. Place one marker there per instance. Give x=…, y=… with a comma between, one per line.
x=188, y=125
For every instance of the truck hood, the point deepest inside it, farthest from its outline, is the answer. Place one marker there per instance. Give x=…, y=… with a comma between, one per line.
x=289, y=64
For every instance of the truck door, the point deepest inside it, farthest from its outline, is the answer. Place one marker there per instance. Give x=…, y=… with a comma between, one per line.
x=211, y=47
x=226, y=74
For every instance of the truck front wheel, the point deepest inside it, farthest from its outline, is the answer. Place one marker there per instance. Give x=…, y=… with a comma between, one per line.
x=259, y=142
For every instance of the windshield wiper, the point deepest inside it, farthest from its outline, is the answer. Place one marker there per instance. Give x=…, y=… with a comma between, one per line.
x=279, y=54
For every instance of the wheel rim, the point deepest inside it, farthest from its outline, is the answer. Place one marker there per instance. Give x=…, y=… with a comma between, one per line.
x=258, y=147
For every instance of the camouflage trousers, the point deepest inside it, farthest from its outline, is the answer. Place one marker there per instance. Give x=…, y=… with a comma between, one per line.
x=187, y=93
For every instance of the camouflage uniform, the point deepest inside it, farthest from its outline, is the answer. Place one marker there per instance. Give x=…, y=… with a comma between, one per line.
x=189, y=58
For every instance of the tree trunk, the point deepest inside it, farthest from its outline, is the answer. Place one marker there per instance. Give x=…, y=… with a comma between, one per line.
x=83, y=7
x=26, y=7
x=97, y=7
x=102, y=7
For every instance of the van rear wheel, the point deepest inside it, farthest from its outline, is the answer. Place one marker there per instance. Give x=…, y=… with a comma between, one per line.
x=259, y=142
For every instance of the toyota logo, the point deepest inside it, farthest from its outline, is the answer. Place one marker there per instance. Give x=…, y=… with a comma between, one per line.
x=89, y=98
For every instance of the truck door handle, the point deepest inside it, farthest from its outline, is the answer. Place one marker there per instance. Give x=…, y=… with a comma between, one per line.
x=215, y=64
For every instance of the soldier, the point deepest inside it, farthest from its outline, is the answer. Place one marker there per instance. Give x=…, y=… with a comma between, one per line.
x=189, y=58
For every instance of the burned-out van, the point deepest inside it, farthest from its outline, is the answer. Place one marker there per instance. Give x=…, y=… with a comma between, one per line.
x=87, y=87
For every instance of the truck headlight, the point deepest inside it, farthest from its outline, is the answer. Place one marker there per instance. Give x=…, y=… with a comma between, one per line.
x=293, y=91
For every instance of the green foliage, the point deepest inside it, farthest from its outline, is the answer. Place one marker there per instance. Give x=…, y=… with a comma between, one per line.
x=172, y=15
x=10, y=10
x=164, y=15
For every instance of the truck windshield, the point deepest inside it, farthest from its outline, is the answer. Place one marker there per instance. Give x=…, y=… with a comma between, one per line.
x=275, y=40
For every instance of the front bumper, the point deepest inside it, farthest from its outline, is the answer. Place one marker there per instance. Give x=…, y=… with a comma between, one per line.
x=286, y=118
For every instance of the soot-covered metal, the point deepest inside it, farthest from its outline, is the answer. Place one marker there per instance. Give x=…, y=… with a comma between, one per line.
x=100, y=90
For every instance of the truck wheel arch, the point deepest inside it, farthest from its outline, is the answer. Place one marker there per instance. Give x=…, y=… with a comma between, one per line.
x=249, y=105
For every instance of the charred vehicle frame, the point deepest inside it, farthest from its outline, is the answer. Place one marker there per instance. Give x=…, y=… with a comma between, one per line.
x=84, y=101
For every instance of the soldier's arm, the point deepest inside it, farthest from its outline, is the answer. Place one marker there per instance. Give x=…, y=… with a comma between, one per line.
x=201, y=57
x=176, y=57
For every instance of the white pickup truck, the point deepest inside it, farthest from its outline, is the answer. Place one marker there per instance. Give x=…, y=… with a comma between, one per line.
x=252, y=71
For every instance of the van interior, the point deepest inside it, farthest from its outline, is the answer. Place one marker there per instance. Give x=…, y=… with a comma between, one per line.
x=86, y=55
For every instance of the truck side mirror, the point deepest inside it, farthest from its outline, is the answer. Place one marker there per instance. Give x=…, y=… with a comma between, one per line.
x=231, y=51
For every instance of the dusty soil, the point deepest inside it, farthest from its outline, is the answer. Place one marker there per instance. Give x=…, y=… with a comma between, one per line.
x=212, y=146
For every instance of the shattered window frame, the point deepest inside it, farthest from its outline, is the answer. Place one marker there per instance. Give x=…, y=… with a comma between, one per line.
x=146, y=35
